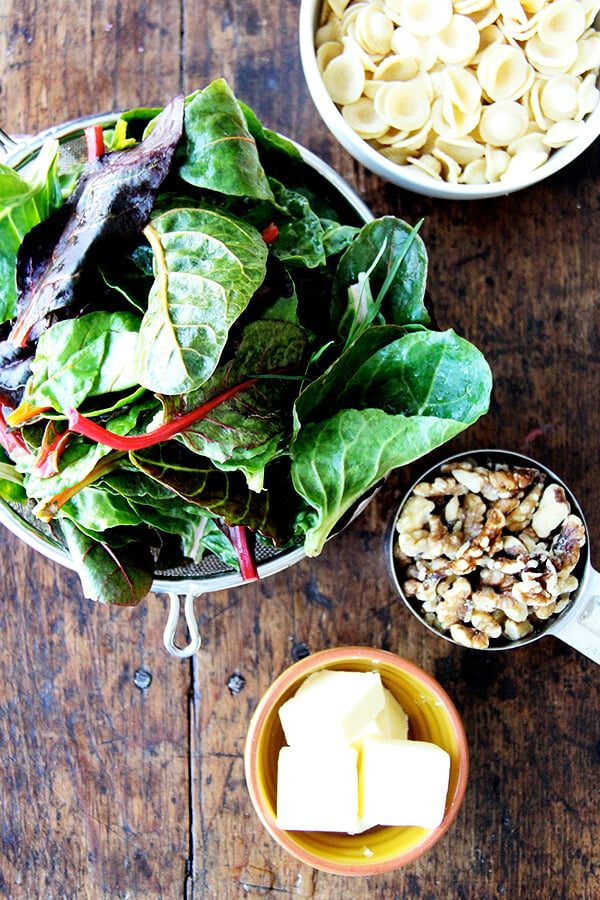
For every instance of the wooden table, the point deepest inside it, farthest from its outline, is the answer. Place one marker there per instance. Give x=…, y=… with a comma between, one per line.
x=121, y=767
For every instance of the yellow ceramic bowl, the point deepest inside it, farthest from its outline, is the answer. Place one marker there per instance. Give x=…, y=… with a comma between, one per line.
x=432, y=717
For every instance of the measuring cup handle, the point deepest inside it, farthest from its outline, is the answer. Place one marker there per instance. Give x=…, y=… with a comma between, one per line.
x=581, y=630
x=192, y=626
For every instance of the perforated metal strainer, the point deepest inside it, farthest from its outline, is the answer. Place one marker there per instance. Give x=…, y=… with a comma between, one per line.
x=183, y=585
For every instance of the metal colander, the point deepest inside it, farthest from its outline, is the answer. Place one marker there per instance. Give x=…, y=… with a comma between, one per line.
x=210, y=573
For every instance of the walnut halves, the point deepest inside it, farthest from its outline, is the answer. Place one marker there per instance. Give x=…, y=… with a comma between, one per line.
x=488, y=551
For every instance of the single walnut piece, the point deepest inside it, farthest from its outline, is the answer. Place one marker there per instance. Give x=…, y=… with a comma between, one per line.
x=488, y=551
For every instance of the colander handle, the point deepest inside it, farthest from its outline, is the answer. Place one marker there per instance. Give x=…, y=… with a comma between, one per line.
x=191, y=622
x=582, y=629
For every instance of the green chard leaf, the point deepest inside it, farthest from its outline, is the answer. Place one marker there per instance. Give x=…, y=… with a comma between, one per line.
x=80, y=358
x=374, y=251
x=26, y=199
x=219, y=152
x=208, y=266
x=300, y=240
x=407, y=397
x=337, y=461
x=121, y=576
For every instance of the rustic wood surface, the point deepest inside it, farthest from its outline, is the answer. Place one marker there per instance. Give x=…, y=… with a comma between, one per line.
x=121, y=769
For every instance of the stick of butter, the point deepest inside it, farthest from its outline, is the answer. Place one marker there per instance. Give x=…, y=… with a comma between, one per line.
x=402, y=782
x=332, y=707
x=317, y=789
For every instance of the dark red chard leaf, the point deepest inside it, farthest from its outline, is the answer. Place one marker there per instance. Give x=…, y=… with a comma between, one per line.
x=113, y=200
x=15, y=369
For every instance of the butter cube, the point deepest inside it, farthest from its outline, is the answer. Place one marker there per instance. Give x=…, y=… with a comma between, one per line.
x=391, y=722
x=317, y=789
x=332, y=707
x=402, y=782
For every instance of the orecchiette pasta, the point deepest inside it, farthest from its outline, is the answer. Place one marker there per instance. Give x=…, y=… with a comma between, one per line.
x=466, y=91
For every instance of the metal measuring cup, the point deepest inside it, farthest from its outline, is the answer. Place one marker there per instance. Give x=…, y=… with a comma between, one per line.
x=578, y=624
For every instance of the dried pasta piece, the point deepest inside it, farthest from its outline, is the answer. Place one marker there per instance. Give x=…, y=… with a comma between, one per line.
x=591, y=9
x=428, y=164
x=533, y=99
x=559, y=97
x=522, y=164
x=548, y=59
x=484, y=18
x=458, y=43
x=344, y=79
x=515, y=31
x=363, y=118
x=474, y=172
x=460, y=87
x=533, y=6
x=393, y=8
x=326, y=52
x=512, y=9
x=449, y=120
x=489, y=36
x=397, y=68
x=374, y=30
x=587, y=96
x=463, y=150
x=532, y=142
x=351, y=12
x=504, y=73
x=338, y=6
x=503, y=122
x=329, y=31
x=497, y=161
x=407, y=105
x=450, y=167
x=353, y=48
x=469, y=7
x=409, y=45
x=561, y=133
x=561, y=23
x=408, y=143
x=389, y=137
x=588, y=54
x=425, y=17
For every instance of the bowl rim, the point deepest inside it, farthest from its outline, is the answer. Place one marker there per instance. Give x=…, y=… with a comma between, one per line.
x=301, y=669
x=395, y=173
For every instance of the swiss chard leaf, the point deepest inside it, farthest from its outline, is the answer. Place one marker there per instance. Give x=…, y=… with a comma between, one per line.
x=407, y=397
x=219, y=152
x=382, y=240
x=224, y=494
x=80, y=358
x=321, y=398
x=244, y=432
x=121, y=576
x=208, y=266
x=113, y=200
x=26, y=198
x=300, y=239
x=337, y=461
x=423, y=373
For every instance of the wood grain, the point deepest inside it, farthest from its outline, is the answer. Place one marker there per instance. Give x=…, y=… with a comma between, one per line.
x=121, y=769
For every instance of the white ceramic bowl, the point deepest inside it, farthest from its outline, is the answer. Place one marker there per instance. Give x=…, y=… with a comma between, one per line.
x=406, y=176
